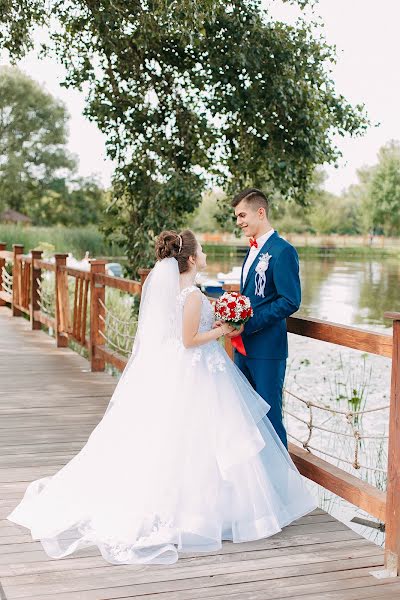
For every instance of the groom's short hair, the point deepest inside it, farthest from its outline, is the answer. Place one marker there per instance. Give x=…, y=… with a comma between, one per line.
x=256, y=198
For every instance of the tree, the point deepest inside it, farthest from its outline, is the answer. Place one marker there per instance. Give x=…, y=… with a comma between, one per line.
x=74, y=202
x=32, y=139
x=193, y=92
x=203, y=218
x=37, y=174
x=382, y=191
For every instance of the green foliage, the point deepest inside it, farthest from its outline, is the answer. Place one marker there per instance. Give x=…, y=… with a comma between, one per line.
x=36, y=171
x=382, y=191
x=58, y=238
x=190, y=92
x=74, y=203
x=32, y=138
x=203, y=219
x=16, y=22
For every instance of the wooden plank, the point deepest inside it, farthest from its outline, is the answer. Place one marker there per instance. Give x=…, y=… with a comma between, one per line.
x=345, y=485
x=240, y=563
x=84, y=317
x=97, y=314
x=206, y=585
x=354, y=588
x=75, y=308
x=80, y=310
x=116, y=576
x=32, y=552
x=351, y=337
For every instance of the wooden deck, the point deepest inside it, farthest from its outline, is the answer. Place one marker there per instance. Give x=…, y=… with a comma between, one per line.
x=49, y=403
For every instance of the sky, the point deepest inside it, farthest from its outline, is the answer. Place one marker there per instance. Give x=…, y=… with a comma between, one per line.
x=368, y=44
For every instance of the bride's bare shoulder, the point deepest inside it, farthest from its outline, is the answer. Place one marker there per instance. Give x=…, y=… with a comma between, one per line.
x=191, y=294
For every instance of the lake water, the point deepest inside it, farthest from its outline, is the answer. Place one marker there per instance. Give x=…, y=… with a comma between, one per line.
x=352, y=292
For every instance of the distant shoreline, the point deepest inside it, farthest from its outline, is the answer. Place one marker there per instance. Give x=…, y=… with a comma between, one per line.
x=334, y=245
x=79, y=240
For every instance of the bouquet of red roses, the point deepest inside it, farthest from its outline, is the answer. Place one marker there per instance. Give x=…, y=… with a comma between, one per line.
x=235, y=309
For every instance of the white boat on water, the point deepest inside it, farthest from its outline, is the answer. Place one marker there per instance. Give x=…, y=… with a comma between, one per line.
x=213, y=286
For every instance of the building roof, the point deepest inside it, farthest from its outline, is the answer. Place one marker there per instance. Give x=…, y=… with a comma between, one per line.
x=13, y=215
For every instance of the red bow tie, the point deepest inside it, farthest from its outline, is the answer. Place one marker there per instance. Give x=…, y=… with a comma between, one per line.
x=253, y=242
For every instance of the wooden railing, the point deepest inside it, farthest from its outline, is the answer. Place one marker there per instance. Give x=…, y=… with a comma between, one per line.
x=84, y=321
x=89, y=299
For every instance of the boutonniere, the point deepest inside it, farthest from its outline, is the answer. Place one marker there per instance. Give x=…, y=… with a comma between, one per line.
x=260, y=277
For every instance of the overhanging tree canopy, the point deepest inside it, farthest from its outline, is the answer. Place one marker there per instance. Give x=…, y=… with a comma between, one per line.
x=193, y=91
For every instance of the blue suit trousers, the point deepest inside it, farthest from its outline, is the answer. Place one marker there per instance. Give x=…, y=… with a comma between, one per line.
x=267, y=376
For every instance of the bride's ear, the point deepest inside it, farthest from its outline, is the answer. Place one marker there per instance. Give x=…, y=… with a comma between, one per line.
x=192, y=260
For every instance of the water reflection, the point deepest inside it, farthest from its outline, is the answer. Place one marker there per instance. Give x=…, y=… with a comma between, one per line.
x=379, y=291
x=349, y=291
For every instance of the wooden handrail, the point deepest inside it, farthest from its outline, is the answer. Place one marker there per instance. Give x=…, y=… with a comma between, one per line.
x=6, y=254
x=342, y=335
x=125, y=285
x=343, y=484
x=45, y=265
x=75, y=272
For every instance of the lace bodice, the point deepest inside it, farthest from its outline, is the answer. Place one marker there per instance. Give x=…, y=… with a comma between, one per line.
x=207, y=313
x=211, y=353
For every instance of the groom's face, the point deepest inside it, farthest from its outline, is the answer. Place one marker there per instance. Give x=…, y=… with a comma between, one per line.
x=247, y=218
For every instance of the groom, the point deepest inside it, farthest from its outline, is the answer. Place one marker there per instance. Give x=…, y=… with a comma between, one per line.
x=270, y=278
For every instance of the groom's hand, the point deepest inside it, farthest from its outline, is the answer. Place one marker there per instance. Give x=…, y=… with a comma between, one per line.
x=229, y=335
x=235, y=333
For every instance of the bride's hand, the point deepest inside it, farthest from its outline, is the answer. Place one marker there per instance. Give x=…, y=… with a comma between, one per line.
x=217, y=324
x=227, y=329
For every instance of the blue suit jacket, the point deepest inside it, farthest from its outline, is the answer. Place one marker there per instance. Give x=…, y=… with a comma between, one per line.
x=265, y=334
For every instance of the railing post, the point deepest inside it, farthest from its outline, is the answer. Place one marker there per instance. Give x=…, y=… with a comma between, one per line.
x=61, y=308
x=392, y=521
x=36, y=274
x=3, y=246
x=16, y=289
x=97, y=313
x=143, y=273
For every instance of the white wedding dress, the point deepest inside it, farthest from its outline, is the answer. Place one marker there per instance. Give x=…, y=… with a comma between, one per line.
x=183, y=458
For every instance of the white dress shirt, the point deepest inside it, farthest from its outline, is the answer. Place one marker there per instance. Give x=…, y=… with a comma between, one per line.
x=254, y=251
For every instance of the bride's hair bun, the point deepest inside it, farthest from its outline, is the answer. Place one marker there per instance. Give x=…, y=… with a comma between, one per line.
x=167, y=245
x=171, y=244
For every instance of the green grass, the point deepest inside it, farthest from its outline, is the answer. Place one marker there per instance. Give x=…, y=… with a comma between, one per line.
x=77, y=240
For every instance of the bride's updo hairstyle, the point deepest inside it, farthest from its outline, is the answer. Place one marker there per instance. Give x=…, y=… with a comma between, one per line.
x=171, y=244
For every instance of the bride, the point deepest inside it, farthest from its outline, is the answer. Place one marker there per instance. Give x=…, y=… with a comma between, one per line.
x=184, y=456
